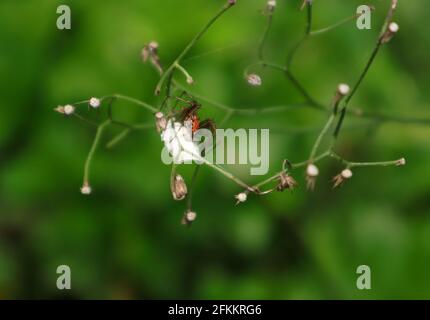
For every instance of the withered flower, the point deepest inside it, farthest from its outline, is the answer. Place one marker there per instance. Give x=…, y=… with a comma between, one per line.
x=271, y=5
x=189, y=217
x=312, y=173
x=254, y=80
x=66, y=110
x=86, y=188
x=160, y=121
x=392, y=29
x=401, y=162
x=94, y=102
x=150, y=52
x=341, y=177
x=241, y=197
x=178, y=187
x=286, y=182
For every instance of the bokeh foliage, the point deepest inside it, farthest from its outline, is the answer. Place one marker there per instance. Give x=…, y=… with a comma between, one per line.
x=125, y=241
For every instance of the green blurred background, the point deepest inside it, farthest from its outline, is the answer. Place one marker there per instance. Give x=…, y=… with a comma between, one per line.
x=125, y=240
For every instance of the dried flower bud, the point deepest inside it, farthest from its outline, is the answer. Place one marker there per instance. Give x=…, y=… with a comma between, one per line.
x=178, y=188
x=341, y=177
x=241, y=197
x=312, y=173
x=66, y=110
x=286, y=182
x=392, y=29
x=94, y=102
x=312, y=170
x=86, y=189
x=343, y=89
x=346, y=174
x=150, y=52
x=69, y=109
x=271, y=5
x=190, y=80
x=254, y=80
x=160, y=121
x=189, y=217
x=401, y=162
x=59, y=109
x=231, y=2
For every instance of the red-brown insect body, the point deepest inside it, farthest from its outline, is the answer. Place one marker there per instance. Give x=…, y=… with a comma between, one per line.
x=195, y=122
x=189, y=113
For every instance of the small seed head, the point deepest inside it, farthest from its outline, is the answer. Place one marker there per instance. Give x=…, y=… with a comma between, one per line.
x=59, y=109
x=86, y=189
x=401, y=162
x=150, y=52
x=343, y=89
x=241, y=197
x=68, y=109
x=286, y=182
x=153, y=45
x=346, y=174
x=339, y=179
x=254, y=80
x=190, y=80
x=191, y=216
x=232, y=2
x=271, y=5
x=178, y=188
x=188, y=218
x=312, y=173
x=393, y=27
x=312, y=170
x=94, y=102
x=160, y=121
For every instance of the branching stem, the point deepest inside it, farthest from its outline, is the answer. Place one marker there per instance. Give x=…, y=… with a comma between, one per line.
x=93, y=149
x=190, y=46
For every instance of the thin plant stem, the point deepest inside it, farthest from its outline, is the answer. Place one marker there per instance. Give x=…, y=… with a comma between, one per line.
x=356, y=112
x=133, y=100
x=185, y=73
x=351, y=164
x=77, y=115
x=124, y=133
x=312, y=102
x=320, y=137
x=93, y=149
x=303, y=91
x=369, y=63
x=334, y=26
x=228, y=175
x=308, y=28
x=118, y=138
x=264, y=37
x=241, y=111
x=190, y=46
x=192, y=187
x=293, y=166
